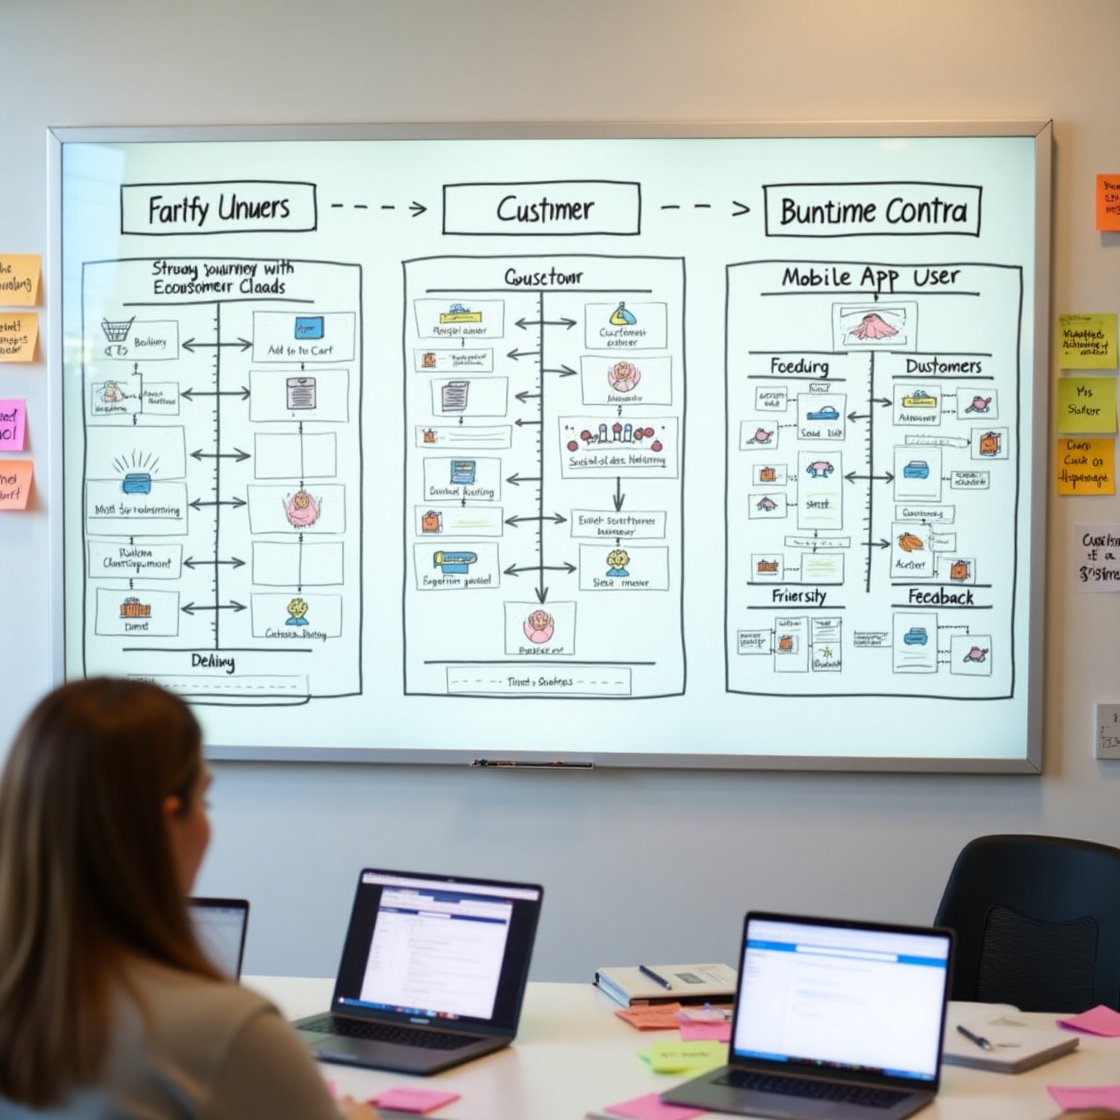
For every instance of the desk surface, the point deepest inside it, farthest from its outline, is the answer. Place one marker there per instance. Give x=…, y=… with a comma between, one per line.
x=573, y=1054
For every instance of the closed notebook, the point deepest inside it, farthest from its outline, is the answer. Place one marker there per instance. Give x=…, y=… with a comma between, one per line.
x=687, y=983
x=1013, y=1045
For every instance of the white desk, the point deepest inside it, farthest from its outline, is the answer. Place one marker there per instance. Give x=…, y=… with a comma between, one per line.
x=573, y=1055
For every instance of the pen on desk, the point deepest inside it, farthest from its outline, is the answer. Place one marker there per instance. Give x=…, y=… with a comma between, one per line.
x=645, y=970
x=979, y=1039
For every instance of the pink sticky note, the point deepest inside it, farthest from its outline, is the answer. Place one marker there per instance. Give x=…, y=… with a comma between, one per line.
x=651, y=1107
x=13, y=421
x=1097, y=1020
x=407, y=1099
x=1085, y=1096
x=700, y=1032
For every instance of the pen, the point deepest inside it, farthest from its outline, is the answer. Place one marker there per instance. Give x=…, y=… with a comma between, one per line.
x=645, y=970
x=979, y=1039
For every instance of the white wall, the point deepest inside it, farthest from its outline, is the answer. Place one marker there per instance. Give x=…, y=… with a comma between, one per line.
x=637, y=865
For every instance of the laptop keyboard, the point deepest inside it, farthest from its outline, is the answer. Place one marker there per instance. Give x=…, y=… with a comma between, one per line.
x=384, y=1032
x=811, y=1087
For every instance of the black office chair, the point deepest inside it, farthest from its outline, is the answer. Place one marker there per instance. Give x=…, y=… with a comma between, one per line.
x=1037, y=920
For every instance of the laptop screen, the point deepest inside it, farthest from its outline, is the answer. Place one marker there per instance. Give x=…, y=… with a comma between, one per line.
x=219, y=925
x=431, y=947
x=842, y=996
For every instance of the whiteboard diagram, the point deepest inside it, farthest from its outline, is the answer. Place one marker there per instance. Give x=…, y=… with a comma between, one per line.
x=561, y=446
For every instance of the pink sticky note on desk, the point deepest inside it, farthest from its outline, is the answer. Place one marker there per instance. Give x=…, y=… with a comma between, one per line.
x=13, y=421
x=407, y=1099
x=1097, y=1020
x=1085, y=1096
x=652, y=1107
x=699, y=1032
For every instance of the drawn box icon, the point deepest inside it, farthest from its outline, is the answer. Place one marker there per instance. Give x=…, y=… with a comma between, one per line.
x=766, y=567
x=309, y=326
x=785, y=643
x=989, y=443
x=463, y=472
x=431, y=522
x=301, y=392
x=133, y=608
x=959, y=570
x=137, y=482
x=453, y=395
x=767, y=474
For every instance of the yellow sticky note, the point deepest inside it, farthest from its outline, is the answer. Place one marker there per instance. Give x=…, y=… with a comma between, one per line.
x=15, y=483
x=691, y=1058
x=1087, y=341
x=19, y=332
x=1086, y=466
x=1087, y=404
x=19, y=279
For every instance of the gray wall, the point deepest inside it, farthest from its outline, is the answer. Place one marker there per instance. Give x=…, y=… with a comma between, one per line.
x=637, y=865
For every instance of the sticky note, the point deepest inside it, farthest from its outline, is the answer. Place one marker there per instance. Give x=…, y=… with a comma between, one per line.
x=1087, y=341
x=652, y=1107
x=19, y=331
x=1085, y=1096
x=19, y=279
x=1087, y=404
x=698, y=1032
x=13, y=423
x=692, y=1058
x=408, y=1099
x=15, y=483
x=1108, y=202
x=1097, y=1020
x=655, y=1017
x=1086, y=466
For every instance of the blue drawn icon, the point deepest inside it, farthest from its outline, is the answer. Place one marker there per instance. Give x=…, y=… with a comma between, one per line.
x=137, y=482
x=463, y=471
x=916, y=468
x=309, y=326
x=620, y=317
x=915, y=636
x=825, y=413
x=454, y=563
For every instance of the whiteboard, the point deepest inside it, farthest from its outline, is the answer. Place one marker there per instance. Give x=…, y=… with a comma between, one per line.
x=613, y=445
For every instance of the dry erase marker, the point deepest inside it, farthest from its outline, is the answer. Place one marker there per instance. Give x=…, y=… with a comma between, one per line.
x=979, y=1039
x=645, y=970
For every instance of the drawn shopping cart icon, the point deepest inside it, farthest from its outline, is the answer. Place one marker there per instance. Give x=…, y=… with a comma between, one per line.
x=116, y=330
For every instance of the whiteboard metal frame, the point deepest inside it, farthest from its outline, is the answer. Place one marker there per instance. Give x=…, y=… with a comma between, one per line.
x=578, y=762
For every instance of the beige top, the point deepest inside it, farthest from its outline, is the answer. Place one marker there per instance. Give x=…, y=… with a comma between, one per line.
x=211, y=1051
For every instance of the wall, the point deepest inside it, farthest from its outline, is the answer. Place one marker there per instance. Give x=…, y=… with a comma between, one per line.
x=637, y=865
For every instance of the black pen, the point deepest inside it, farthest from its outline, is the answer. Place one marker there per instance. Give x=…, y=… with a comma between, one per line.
x=645, y=970
x=979, y=1039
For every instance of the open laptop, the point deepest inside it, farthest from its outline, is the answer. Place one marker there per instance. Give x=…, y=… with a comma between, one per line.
x=833, y=1019
x=220, y=925
x=433, y=972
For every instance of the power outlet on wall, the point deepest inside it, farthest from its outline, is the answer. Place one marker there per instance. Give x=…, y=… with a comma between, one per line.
x=1108, y=731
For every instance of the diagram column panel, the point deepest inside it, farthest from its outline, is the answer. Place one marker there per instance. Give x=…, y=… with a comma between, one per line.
x=222, y=480
x=873, y=466
x=543, y=476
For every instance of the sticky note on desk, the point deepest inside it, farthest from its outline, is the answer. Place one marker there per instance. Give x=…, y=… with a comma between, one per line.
x=1097, y=1020
x=408, y=1099
x=655, y=1017
x=690, y=1058
x=700, y=1032
x=1085, y=1096
x=652, y=1107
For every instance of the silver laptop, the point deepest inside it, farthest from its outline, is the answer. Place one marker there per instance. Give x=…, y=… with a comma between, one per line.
x=433, y=972
x=220, y=925
x=833, y=1019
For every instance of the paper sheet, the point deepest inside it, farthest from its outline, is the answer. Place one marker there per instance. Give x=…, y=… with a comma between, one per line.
x=1097, y=1020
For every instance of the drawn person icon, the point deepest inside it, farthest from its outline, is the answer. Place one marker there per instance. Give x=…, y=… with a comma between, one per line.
x=297, y=611
x=539, y=626
x=622, y=318
x=111, y=393
x=624, y=376
x=618, y=558
x=301, y=510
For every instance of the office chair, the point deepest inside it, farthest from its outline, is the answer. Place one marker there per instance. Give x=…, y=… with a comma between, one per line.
x=1037, y=920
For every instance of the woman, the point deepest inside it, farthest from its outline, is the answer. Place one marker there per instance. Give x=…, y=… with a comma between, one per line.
x=107, y=1005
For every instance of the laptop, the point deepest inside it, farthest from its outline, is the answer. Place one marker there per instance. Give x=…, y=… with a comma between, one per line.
x=833, y=1018
x=220, y=925
x=433, y=972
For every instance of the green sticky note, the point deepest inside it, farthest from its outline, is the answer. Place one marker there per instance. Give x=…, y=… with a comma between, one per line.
x=689, y=1058
x=1087, y=341
x=1086, y=404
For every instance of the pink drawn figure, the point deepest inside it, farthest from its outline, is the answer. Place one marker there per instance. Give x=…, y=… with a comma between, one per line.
x=761, y=435
x=872, y=327
x=624, y=376
x=539, y=626
x=302, y=510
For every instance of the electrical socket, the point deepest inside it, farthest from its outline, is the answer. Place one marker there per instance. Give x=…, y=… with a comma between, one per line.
x=1108, y=731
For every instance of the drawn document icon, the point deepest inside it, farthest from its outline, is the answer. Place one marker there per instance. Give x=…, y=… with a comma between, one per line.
x=301, y=392
x=455, y=396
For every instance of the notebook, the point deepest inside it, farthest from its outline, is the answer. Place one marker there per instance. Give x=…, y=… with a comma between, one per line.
x=220, y=925
x=832, y=1018
x=433, y=972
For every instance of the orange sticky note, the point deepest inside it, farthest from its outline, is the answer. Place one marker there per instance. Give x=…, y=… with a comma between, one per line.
x=19, y=332
x=15, y=483
x=1086, y=466
x=1108, y=202
x=19, y=279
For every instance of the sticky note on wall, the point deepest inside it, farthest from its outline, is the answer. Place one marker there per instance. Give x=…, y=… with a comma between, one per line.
x=19, y=279
x=19, y=332
x=1087, y=404
x=13, y=424
x=1087, y=341
x=15, y=483
x=1086, y=466
x=1108, y=202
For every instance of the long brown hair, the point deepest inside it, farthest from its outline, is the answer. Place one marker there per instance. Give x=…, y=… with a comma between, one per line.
x=87, y=876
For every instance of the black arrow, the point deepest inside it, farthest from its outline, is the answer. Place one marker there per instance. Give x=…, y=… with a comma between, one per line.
x=190, y=394
x=237, y=454
x=192, y=346
x=516, y=479
x=192, y=563
x=198, y=503
x=555, y=518
x=884, y=401
x=743, y=208
x=882, y=542
x=516, y=354
x=564, y=371
x=417, y=209
x=524, y=396
x=526, y=423
x=619, y=496
x=851, y=476
x=232, y=605
x=525, y=324
x=516, y=570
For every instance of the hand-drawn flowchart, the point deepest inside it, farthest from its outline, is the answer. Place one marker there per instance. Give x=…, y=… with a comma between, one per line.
x=222, y=475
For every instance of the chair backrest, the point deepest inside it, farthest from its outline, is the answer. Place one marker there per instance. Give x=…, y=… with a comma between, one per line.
x=1037, y=920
